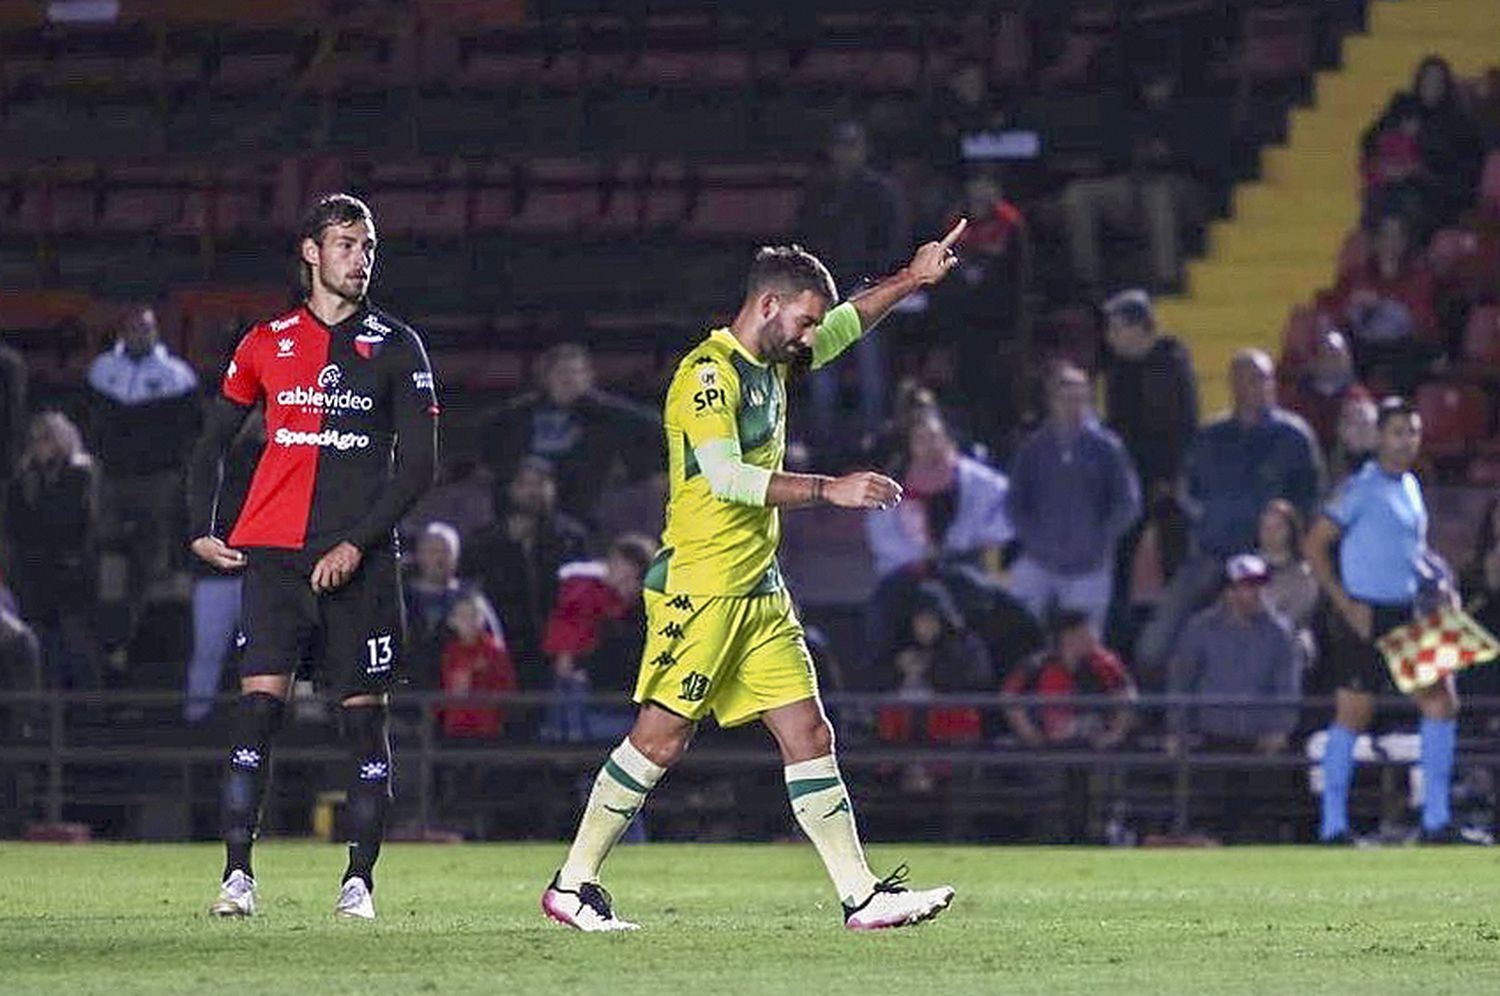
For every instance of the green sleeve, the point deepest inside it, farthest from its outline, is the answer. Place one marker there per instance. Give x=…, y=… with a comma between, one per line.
x=841, y=329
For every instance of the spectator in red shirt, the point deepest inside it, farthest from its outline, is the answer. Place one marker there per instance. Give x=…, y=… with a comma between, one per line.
x=594, y=639
x=1389, y=307
x=1077, y=664
x=1321, y=390
x=475, y=662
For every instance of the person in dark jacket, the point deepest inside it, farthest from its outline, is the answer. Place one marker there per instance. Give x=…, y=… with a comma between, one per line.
x=591, y=438
x=143, y=419
x=1151, y=393
x=1237, y=464
x=52, y=524
x=516, y=562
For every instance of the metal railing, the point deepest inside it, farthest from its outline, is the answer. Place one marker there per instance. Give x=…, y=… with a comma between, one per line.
x=58, y=750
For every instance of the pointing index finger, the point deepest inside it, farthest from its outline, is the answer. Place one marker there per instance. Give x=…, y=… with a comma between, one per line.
x=954, y=234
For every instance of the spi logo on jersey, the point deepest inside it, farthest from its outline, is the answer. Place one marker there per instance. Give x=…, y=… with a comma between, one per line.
x=713, y=397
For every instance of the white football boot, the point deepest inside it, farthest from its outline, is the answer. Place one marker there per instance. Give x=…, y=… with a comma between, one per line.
x=236, y=896
x=892, y=904
x=355, y=901
x=587, y=908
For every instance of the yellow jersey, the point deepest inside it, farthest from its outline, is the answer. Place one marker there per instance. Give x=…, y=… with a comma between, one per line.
x=711, y=546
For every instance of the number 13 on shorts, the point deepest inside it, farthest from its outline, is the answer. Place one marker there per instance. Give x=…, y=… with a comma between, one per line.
x=381, y=653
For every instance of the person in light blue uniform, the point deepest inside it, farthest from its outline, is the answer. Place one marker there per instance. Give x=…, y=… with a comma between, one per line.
x=1378, y=521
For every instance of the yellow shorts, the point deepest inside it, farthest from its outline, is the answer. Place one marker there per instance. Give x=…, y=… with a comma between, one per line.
x=733, y=656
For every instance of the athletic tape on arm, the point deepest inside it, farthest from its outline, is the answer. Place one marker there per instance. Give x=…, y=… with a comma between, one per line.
x=841, y=329
x=729, y=477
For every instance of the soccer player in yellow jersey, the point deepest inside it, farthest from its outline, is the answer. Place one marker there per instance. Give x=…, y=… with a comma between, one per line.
x=722, y=636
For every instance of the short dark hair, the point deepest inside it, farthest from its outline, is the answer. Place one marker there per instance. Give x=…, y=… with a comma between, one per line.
x=1393, y=407
x=330, y=209
x=635, y=549
x=1064, y=619
x=792, y=270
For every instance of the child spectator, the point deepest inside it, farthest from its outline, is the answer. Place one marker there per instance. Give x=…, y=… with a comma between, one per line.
x=474, y=662
x=1077, y=664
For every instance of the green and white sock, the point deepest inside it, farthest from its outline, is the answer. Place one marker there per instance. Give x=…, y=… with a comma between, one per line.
x=619, y=791
x=822, y=807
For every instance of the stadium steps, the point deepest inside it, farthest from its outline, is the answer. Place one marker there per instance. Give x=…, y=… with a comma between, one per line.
x=1280, y=242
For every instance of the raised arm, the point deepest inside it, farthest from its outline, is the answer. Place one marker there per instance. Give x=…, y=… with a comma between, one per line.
x=846, y=323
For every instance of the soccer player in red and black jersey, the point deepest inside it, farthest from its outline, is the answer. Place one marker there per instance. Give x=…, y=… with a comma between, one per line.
x=351, y=443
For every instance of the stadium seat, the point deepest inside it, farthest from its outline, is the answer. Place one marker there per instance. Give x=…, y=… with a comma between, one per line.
x=140, y=210
x=1465, y=262
x=492, y=208
x=1481, y=343
x=1279, y=44
x=759, y=212
x=1454, y=417
x=689, y=69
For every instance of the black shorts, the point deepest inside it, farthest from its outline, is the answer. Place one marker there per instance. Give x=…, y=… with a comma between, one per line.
x=1355, y=663
x=351, y=637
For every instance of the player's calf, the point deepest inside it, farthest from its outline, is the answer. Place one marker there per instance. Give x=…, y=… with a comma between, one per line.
x=257, y=718
x=370, y=796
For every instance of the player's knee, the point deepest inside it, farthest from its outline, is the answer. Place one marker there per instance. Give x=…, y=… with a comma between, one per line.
x=662, y=749
x=805, y=741
x=258, y=718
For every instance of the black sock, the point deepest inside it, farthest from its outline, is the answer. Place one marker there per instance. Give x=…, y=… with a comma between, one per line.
x=257, y=717
x=369, y=788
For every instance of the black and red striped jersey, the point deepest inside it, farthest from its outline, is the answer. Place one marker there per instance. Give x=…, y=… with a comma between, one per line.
x=337, y=399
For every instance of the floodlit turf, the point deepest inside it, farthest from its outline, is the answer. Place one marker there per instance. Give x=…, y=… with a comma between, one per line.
x=758, y=919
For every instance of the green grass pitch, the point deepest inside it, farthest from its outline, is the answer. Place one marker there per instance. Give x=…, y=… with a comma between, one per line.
x=730, y=919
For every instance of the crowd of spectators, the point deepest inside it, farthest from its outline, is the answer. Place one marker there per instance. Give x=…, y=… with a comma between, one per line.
x=1049, y=552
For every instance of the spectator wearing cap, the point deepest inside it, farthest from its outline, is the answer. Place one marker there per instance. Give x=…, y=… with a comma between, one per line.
x=857, y=221
x=593, y=439
x=515, y=562
x=1238, y=649
x=1073, y=494
x=1320, y=392
x=1150, y=392
x=1236, y=465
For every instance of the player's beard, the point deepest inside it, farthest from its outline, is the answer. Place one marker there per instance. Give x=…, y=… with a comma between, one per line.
x=350, y=290
x=777, y=347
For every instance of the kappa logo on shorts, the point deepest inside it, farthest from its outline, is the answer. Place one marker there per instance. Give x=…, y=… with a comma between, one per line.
x=374, y=771
x=694, y=687
x=246, y=757
x=663, y=659
x=671, y=631
x=681, y=602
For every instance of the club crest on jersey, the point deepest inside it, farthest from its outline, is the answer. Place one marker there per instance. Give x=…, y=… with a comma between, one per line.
x=285, y=348
x=367, y=344
x=708, y=376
